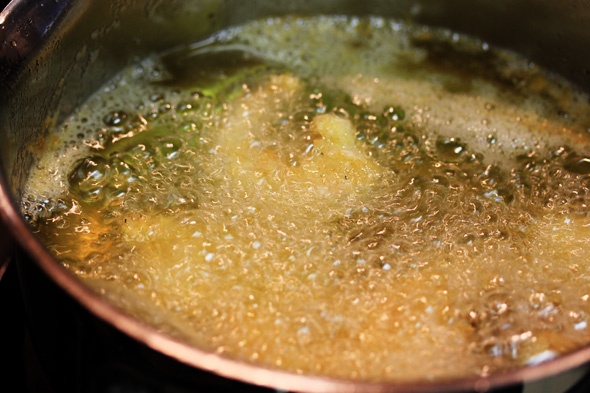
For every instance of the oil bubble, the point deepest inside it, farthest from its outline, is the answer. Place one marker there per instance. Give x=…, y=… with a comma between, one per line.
x=578, y=165
x=115, y=119
x=450, y=149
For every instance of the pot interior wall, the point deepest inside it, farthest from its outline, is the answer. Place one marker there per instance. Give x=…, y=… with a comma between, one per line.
x=55, y=59
x=55, y=55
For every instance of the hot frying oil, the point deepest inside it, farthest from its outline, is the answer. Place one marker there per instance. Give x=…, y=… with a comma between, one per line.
x=346, y=197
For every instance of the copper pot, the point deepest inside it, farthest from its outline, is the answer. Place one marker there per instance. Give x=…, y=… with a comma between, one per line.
x=54, y=54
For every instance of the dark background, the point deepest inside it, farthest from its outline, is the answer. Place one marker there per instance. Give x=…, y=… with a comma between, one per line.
x=11, y=326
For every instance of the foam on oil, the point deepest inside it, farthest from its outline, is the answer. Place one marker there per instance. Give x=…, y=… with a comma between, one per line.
x=212, y=192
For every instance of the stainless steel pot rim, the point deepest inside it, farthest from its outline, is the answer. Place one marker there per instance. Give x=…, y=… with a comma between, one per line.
x=248, y=372
x=236, y=369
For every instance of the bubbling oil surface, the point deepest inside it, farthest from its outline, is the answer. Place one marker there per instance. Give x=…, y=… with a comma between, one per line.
x=346, y=197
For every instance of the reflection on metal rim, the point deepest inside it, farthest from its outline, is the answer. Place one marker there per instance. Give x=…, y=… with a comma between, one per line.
x=536, y=379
